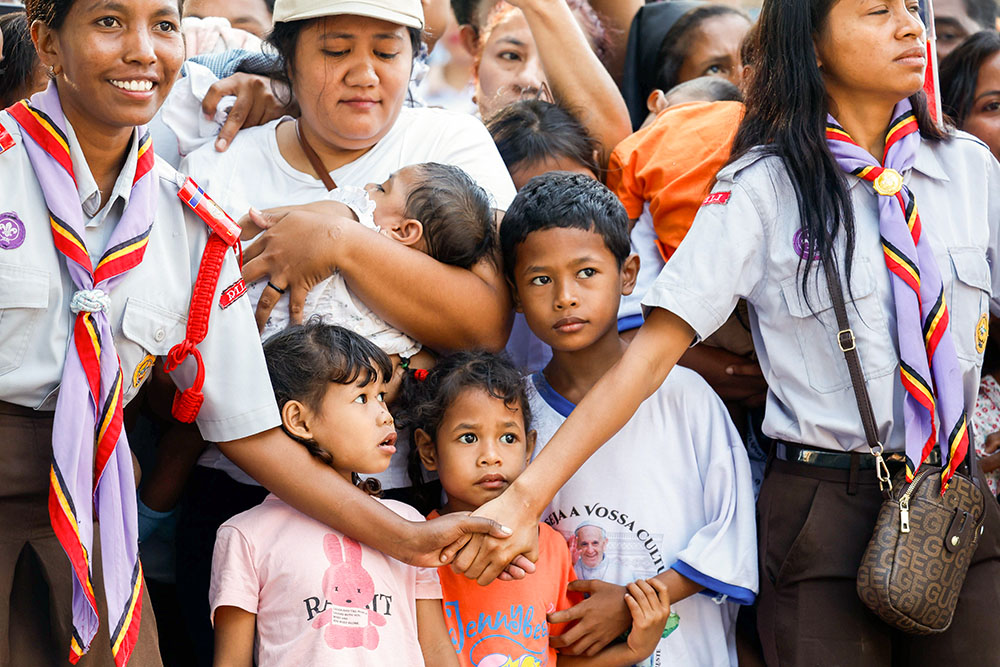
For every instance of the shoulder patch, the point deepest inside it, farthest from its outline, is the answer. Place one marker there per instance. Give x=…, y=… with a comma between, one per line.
x=232, y=293
x=210, y=212
x=717, y=198
x=6, y=141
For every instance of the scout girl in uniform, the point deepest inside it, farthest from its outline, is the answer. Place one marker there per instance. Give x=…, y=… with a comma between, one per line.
x=90, y=289
x=787, y=201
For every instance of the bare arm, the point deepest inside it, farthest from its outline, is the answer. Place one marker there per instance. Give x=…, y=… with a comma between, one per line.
x=234, y=631
x=432, y=633
x=602, y=412
x=291, y=473
x=578, y=79
x=617, y=15
x=402, y=285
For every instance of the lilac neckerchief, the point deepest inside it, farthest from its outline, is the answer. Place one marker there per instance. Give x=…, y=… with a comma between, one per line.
x=929, y=366
x=80, y=481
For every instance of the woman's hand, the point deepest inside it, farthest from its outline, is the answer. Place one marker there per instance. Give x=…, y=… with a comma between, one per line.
x=484, y=557
x=991, y=462
x=600, y=619
x=257, y=102
x=734, y=378
x=297, y=250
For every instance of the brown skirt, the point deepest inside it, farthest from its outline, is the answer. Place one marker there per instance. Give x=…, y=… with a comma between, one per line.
x=36, y=584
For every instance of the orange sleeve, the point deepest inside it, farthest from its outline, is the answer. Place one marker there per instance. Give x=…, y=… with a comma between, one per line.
x=621, y=177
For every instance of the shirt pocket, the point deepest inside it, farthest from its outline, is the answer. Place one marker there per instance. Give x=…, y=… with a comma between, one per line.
x=969, y=300
x=149, y=330
x=24, y=296
x=815, y=326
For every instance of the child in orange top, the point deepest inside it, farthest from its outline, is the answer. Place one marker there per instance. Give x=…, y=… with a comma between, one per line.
x=471, y=423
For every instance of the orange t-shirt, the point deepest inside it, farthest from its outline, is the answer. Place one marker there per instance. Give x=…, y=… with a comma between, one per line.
x=672, y=164
x=503, y=623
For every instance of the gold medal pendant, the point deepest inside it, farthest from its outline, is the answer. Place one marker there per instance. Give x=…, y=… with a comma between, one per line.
x=888, y=182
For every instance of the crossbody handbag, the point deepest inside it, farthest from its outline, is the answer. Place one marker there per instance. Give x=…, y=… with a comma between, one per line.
x=915, y=564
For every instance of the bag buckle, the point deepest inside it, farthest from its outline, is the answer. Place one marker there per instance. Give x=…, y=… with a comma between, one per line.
x=845, y=338
x=881, y=469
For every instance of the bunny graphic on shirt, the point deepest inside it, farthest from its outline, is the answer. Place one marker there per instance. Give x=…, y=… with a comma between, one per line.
x=348, y=587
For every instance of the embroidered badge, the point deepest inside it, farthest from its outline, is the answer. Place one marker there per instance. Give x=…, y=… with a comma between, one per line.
x=231, y=293
x=142, y=370
x=6, y=141
x=716, y=198
x=801, y=246
x=11, y=231
x=982, y=333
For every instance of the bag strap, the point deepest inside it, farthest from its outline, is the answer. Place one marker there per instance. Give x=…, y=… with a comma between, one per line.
x=848, y=345
x=314, y=160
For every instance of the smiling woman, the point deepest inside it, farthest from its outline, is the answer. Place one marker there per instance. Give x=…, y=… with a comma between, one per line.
x=91, y=291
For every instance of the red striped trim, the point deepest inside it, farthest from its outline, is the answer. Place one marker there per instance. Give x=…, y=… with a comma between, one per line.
x=44, y=132
x=69, y=244
x=108, y=435
x=122, y=257
x=146, y=159
x=88, y=348
x=63, y=519
x=123, y=641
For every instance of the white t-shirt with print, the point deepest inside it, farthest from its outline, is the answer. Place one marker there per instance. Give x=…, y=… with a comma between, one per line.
x=671, y=489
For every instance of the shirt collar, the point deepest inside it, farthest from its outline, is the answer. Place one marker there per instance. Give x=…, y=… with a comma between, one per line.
x=86, y=186
x=926, y=162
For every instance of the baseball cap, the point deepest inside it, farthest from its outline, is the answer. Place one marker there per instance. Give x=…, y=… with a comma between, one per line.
x=408, y=13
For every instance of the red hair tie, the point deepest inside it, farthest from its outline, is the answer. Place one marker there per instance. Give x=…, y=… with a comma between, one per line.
x=420, y=374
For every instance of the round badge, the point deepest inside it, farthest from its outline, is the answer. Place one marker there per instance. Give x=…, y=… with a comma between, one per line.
x=11, y=231
x=142, y=370
x=982, y=333
x=888, y=182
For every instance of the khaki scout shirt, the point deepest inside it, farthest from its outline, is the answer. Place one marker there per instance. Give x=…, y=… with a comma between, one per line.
x=149, y=305
x=744, y=244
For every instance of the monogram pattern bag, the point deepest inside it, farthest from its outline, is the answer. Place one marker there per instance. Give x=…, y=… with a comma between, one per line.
x=913, y=569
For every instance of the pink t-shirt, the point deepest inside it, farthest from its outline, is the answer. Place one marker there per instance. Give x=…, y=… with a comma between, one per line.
x=320, y=597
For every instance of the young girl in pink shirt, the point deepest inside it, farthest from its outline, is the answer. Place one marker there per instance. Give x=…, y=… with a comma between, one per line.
x=288, y=590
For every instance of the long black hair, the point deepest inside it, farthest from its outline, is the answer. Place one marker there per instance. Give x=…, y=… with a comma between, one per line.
x=960, y=74
x=20, y=60
x=793, y=126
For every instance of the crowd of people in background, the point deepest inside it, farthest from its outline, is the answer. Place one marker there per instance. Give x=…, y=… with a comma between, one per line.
x=475, y=237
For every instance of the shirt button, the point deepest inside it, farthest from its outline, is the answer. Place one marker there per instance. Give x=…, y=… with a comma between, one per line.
x=159, y=335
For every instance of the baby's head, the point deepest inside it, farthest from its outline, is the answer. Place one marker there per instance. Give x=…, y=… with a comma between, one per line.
x=330, y=383
x=702, y=89
x=437, y=209
x=471, y=423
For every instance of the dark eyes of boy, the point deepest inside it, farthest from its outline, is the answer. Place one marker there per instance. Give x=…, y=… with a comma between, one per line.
x=467, y=438
x=508, y=438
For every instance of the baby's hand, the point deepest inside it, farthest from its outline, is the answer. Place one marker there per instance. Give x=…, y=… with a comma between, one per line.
x=648, y=601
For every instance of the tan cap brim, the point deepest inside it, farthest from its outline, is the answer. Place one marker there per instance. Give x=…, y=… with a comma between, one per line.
x=356, y=8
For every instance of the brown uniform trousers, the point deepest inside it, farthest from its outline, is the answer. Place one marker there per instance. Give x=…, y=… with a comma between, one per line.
x=814, y=525
x=36, y=586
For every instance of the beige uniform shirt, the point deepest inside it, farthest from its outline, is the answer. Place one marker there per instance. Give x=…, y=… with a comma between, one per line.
x=743, y=244
x=149, y=305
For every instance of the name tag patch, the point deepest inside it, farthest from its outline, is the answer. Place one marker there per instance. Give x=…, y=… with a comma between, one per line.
x=231, y=293
x=716, y=198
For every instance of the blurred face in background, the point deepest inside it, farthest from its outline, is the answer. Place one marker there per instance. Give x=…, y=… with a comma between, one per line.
x=984, y=116
x=250, y=15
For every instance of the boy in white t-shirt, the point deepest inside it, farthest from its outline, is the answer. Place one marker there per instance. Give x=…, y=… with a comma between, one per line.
x=670, y=494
